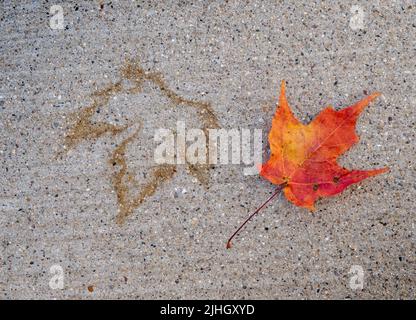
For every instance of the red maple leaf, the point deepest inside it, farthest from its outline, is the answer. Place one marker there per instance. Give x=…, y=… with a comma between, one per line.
x=303, y=160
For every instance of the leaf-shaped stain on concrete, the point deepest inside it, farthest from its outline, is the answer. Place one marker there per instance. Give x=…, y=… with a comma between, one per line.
x=83, y=128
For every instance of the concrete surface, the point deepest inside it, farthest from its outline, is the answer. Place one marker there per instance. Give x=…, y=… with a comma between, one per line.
x=73, y=98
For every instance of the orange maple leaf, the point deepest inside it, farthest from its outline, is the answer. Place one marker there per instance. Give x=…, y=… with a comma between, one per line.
x=304, y=157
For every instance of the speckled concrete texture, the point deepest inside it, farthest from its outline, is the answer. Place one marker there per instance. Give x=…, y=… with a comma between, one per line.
x=79, y=107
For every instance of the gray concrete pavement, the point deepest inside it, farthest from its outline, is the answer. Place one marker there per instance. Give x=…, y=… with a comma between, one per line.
x=79, y=189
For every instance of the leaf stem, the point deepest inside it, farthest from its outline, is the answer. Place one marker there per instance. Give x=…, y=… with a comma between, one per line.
x=278, y=190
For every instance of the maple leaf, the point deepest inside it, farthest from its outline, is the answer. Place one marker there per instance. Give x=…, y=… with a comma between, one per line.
x=303, y=160
x=304, y=157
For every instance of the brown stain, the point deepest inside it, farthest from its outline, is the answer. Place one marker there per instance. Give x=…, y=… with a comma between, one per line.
x=126, y=202
x=90, y=289
x=84, y=128
x=200, y=171
x=134, y=72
